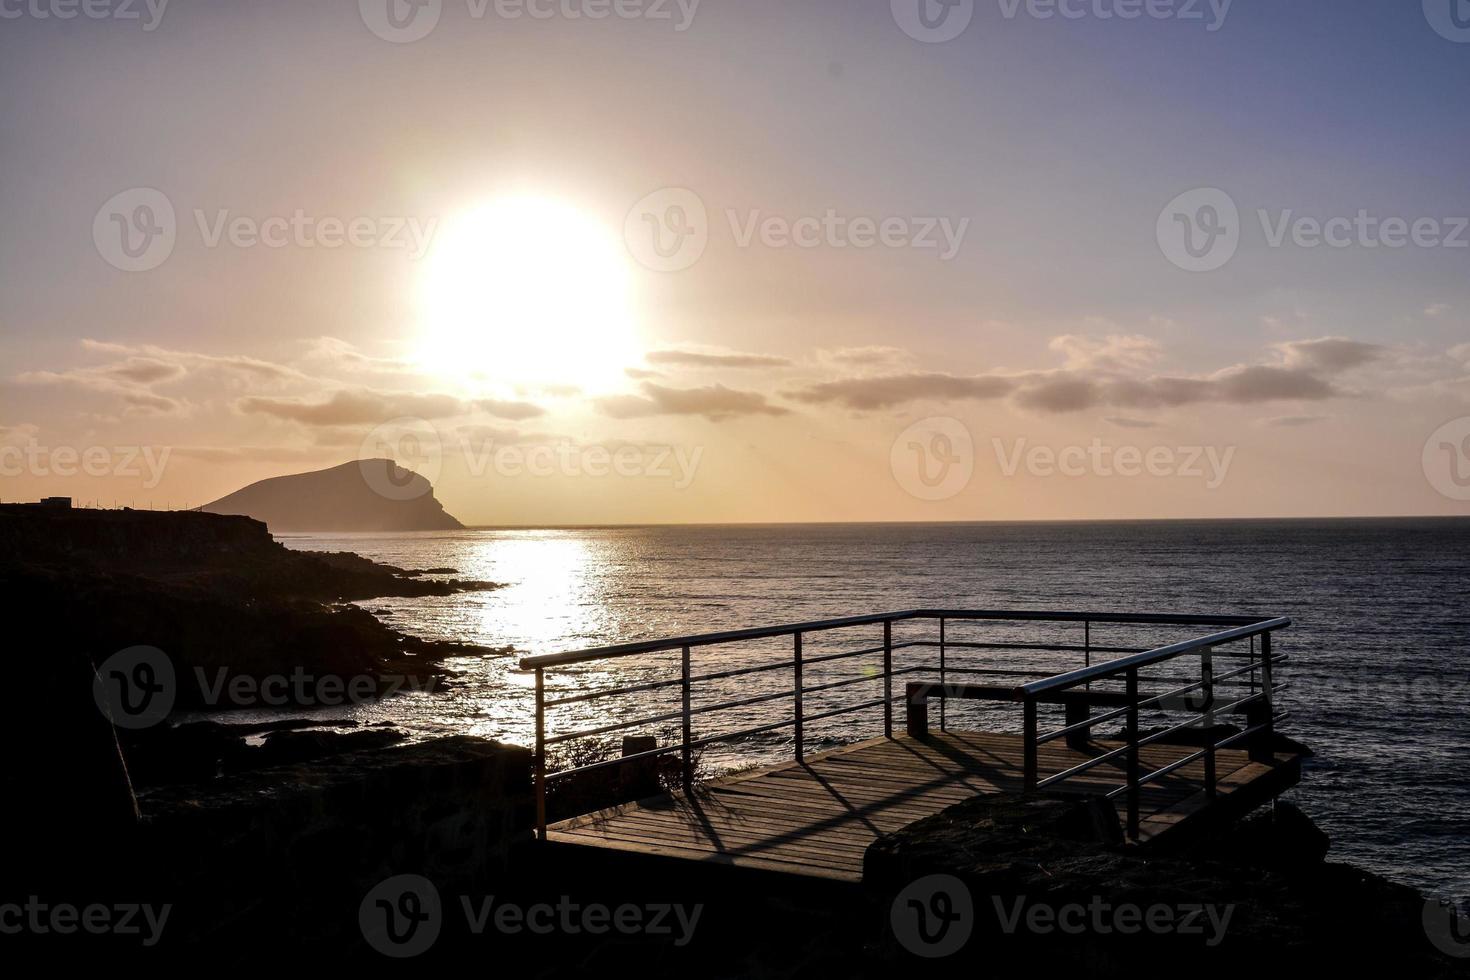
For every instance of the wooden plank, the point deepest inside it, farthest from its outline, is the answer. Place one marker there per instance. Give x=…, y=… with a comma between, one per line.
x=818, y=816
x=656, y=850
x=653, y=836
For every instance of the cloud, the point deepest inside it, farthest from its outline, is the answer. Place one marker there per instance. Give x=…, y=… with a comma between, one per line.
x=340, y=354
x=118, y=381
x=358, y=407
x=189, y=361
x=1292, y=421
x=1259, y=383
x=1104, y=374
x=1436, y=309
x=886, y=391
x=148, y=403
x=513, y=410
x=714, y=402
x=142, y=370
x=864, y=357
x=1115, y=352
x=1127, y=423
x=1328, y=354
x=714, y=359
x=367, y=406
x=640, y=374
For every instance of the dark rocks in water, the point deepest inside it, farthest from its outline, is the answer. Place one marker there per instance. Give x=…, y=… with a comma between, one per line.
x=364, y=495
x=288, y=748
x=198, y=752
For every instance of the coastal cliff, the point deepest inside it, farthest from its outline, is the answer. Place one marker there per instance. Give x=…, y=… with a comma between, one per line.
x=146, y=615
x=366, y=495
x=212, y=592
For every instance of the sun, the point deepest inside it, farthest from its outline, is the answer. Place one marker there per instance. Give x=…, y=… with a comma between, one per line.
x=527, y=290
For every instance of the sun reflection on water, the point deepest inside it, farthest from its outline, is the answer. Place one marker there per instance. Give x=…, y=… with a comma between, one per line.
x=553, y=594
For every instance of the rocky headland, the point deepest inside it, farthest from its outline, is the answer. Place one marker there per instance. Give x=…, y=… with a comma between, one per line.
x=364, y=495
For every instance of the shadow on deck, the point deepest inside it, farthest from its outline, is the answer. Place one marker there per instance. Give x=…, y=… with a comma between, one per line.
x=816, y=818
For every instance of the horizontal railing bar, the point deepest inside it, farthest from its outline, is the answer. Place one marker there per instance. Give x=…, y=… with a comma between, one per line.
x=1160, y=773
x=620, y=726
x=1119, y=712
x=1047, y=647
x=1082, y=767
x=742, y=703
x=843, y=711
x=869, y=678
x=722, y=706
x=1088, y=723
x=1166, y=732
x=1195, y=756
x=808, y=689
x=987, y=671
x=606, y=763
x=605, y=692
x=843, y=656
x=766, y=632
x=1104, y=670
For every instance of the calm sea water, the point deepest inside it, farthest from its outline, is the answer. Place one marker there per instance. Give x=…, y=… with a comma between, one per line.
x=1380, y=680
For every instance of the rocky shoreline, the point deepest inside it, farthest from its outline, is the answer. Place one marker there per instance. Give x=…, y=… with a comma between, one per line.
x=215, y=594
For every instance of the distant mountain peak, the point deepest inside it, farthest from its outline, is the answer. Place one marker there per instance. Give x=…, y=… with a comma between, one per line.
x=362, y=495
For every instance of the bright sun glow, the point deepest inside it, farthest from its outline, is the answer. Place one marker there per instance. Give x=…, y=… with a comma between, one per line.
x=527, y=290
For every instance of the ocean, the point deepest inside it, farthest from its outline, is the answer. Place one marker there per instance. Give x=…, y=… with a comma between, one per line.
x=1379, y=674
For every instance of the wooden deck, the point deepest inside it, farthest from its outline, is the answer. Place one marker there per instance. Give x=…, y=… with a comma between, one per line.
x=816, y=818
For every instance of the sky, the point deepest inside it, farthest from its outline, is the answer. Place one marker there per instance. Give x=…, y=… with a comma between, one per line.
x=628, y=261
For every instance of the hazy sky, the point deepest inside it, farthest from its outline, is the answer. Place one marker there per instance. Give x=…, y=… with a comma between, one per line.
x=589, y=261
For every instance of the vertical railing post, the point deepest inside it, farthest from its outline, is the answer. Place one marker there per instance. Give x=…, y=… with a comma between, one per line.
x=541, y=753
x=1029, y=775
x=1087, y=648
x=1207, y=688
x=687, y=753
x=943, y=679
x=1260, y=747
x=887, y=678
x=1133, y=767
x=800, y=728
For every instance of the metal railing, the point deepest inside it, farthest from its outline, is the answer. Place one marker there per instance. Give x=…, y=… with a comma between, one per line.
x=1077, y=689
